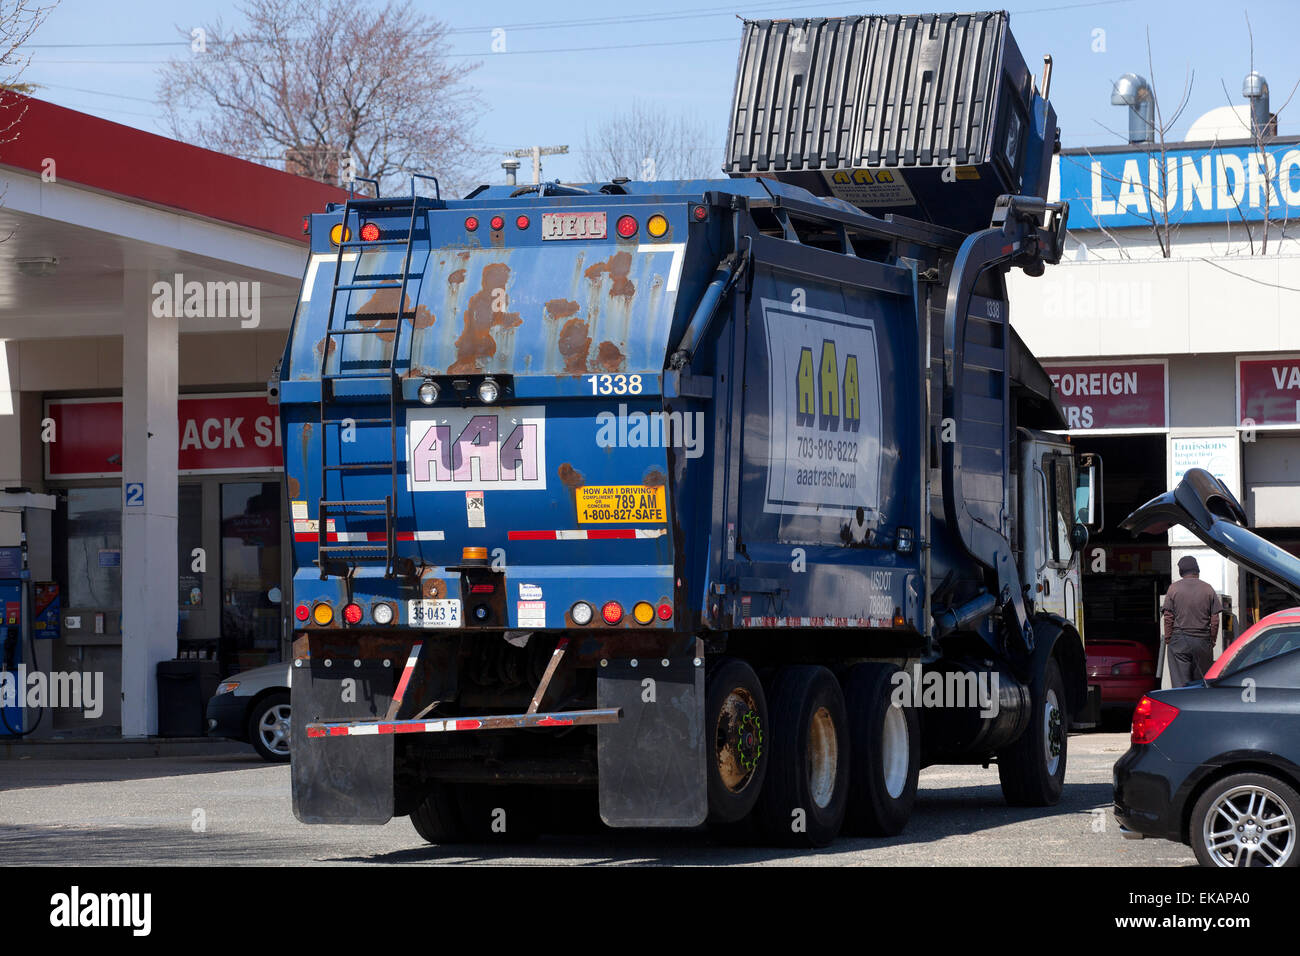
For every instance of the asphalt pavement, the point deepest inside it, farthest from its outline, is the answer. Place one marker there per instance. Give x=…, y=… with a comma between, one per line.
x=235, y=809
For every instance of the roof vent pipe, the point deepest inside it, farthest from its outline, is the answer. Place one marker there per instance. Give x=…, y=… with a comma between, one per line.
x=1255, y=89
x=1134, y=92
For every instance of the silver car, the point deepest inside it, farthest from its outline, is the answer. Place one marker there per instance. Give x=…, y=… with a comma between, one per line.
x=254, y=706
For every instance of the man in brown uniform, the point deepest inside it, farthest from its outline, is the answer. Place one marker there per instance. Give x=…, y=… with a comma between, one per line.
x=1191, y=614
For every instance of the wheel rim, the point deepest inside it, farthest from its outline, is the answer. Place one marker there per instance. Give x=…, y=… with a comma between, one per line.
x=894, y=751
x=823, y=757
x=1053, y=733
x=273, y=729
x=1249, y=826
x=738, y=739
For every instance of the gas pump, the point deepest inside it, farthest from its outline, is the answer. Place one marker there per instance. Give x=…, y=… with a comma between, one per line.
x=29, y=602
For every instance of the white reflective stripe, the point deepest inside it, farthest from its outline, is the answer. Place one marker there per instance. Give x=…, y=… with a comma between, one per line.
x=315, y=264
x=651, y=532
x=571, y=536
x=427, y=536
x=675, y=269
x=346, y=536
x=363, y=730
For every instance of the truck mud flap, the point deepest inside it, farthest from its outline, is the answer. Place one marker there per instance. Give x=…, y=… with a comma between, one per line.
x=651, y=764
x=348, y=779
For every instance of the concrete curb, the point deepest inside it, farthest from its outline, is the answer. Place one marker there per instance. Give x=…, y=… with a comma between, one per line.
x=120, y=748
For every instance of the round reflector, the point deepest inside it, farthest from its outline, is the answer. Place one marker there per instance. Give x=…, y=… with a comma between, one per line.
x=498, y=222
x=370, y=232
x=700, y=213
x=665, y=611
x=522, y=222
x=302, y=612
x=471, y=223
x=657, y=226
x=626, y=227
x=643, y=612
x=612, y=612
x=339, y=234
x=382, y=613
x=322, y=614
x=352, y=613
x=581, y=613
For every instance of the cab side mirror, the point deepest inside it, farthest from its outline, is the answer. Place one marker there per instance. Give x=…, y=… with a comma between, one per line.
x=1079, y=536
x=1087, y=493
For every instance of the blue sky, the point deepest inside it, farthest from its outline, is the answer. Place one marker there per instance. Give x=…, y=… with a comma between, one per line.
x=561, y=72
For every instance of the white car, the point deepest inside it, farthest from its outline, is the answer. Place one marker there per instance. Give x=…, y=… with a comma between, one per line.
x=254, y=706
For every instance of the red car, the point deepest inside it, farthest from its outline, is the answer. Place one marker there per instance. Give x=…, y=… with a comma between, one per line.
x=1269, y=645
x=1125, y=671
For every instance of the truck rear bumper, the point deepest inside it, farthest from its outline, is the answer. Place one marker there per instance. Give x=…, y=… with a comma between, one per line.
x=357, y=728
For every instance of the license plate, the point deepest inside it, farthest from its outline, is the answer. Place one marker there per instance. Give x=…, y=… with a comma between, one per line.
x=573, y=225
x=433, y=614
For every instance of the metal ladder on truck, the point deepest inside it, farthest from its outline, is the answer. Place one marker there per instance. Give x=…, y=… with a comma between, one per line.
x=339, y=556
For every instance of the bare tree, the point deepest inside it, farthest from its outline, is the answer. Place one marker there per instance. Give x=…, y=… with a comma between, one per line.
x=1155, y=191
x=647, y=142
x=320, y=84
x=18, y=21
x=1261, y=138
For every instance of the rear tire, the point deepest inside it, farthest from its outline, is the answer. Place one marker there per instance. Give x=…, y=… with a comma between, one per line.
x=805, y=792
x=735, y=721
x=437, y=818
x=885, y=753
x=509, y=814
x=1247, y=819
x=1032, y=770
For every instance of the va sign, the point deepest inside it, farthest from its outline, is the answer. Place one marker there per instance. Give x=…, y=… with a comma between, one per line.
x=1200, y=184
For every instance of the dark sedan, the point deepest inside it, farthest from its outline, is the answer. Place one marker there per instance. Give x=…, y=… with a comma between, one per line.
x=1217, y=764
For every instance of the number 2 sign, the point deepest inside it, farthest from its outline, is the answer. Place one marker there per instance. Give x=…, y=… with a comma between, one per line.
x=134, y=494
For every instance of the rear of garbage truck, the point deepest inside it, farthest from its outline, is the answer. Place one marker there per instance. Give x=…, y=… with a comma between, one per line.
x=637, y=496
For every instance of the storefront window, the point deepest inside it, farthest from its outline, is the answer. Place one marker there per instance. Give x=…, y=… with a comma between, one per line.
x=250, y=569
x=94, y=536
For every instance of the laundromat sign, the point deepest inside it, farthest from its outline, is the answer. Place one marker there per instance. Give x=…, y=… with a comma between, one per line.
x=217, y=433
x=1193, y=184
x=1111, y=395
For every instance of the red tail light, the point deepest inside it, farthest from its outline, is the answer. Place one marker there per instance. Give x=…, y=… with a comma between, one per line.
x=471, y=223
x=612, y=612
x=521, y=222
x=1133, y=669
x=352, y=613
x=626, y=227
x=497, y=223
x=665, y=612
x=370, y=232
x=302, y=612
x=1150, y=718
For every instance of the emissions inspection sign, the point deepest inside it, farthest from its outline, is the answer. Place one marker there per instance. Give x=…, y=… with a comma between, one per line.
x=606, y=504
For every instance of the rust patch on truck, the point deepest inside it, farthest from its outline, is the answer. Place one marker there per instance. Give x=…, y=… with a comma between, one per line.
x=382, y=306
x=574, y=345
x=475, y=343
x=561, y=308
x=570, y=477
x=609, y=356
x=456, y=278
x=617, y=268
x=653, y=478
x=292, y=484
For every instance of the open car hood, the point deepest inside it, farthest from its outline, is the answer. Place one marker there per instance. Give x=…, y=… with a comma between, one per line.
x=1204, y=506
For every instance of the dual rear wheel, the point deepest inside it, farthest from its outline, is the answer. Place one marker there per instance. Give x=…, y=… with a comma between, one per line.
x=829, y=757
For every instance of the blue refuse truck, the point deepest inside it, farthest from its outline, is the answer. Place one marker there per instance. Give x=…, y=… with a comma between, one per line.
x=731, y=501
